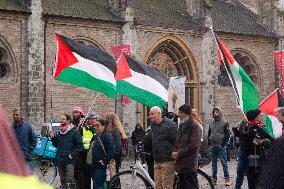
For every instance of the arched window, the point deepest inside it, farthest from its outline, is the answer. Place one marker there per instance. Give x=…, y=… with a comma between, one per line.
x=4, y=66
x=170, y=58
x=248, y=65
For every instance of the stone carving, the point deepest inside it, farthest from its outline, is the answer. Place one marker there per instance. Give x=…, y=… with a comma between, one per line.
x=223, y=79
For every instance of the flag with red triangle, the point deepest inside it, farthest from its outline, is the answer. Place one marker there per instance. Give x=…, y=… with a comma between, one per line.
x=85, y=66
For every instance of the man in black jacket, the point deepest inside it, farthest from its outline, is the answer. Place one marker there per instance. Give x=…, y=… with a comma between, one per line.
x=257, y=143
x=25, y=136
x=163, y=135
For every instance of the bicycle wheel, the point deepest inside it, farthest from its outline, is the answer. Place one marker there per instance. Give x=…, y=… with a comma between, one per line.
x=45, y=170
x=204, y=181
x=127, y=180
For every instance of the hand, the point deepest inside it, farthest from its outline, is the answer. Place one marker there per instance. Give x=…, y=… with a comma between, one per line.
x=51, y=134
x=174, y=155
x=257, y=141
x=101, y=162
x=70, y=156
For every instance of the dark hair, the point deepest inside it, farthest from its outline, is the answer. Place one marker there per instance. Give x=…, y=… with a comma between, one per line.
x=103, y=122
x=185, y=108
x=68, y=117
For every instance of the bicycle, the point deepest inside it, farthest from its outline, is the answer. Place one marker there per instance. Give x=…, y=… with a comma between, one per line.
x=137, y=177
x=43, y=160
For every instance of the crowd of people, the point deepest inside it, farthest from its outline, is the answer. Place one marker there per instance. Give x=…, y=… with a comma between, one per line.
x=88, y=145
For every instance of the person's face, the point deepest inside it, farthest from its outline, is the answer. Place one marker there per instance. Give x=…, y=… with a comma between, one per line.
x=76, y=114
x=259, y=119
x=216, y=114
x=280, y=117
x=17, y=117
x=99, y=127
x=181, y=114
x=155, y=116
x=93, y=121
x=63, y=120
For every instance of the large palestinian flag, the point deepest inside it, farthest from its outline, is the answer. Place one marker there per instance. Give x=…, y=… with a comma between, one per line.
x=141, y=82
x=245, y=90
x=85, y=66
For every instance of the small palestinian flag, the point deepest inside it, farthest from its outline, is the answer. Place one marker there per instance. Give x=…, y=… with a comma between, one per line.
x=141, y=82
x=85, y=66
x=272, y=125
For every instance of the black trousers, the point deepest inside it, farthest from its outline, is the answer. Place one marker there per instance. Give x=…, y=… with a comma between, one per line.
x=252, y=176
x=187, y=180
x=82, y=173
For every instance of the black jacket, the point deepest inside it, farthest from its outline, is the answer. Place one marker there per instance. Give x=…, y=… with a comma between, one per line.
x=137, y=136
x=163, y=137
x=241, y=131
x=26, y=138
x=69, y=143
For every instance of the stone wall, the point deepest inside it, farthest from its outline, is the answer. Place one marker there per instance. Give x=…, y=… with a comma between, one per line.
x=13, y=33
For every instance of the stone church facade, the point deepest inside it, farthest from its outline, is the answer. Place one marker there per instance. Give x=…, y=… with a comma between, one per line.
x=171, y=35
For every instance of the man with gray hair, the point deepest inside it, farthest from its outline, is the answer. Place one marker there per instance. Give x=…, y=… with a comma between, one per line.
x=163, y=137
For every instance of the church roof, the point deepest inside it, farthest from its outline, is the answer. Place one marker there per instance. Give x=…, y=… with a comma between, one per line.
x=165, y=13
x=94, y=9
x=14, y=5
x=233, y=17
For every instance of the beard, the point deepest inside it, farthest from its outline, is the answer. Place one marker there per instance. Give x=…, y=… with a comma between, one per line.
x=76, y=119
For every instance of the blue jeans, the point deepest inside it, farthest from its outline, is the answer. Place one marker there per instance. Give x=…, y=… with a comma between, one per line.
x=241, y=168
x=99, y=177
x=221, y=152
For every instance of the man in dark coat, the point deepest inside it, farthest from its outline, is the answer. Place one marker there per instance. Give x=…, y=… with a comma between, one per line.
x=25, y=136
x=258, y=143
x=186, y=149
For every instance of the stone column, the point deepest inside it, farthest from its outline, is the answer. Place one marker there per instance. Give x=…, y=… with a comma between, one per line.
x=36, y=68
x=130, y=115
x=207, y=72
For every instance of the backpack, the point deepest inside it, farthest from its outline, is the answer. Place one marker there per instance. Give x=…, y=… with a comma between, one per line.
x=89, y=159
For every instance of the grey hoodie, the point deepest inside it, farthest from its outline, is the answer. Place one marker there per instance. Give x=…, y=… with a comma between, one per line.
x=218, y=133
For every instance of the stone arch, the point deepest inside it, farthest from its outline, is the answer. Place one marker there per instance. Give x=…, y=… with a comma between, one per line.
x=8, y=66
x=248, y=62
x=89, y=41
x=176, y=59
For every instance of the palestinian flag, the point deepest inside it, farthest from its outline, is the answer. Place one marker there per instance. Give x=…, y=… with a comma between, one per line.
x=273, y=101
x=245, y=89
x=272, y=125
x=85, y=66
x=141, y=82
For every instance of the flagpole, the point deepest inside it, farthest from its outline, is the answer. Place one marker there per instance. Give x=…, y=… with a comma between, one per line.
x=89, y=110
x=231, y=80
x=268, y=96
x=116, y=57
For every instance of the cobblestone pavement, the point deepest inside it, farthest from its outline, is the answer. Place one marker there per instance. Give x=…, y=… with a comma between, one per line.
x=232, y=169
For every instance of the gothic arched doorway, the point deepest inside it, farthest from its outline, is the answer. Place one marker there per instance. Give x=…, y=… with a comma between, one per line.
x=173, y=57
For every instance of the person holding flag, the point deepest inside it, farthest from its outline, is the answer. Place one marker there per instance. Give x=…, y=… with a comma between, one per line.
x=258, y=143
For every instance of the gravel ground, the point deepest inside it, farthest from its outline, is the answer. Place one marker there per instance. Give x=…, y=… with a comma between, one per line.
x=207, y=169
